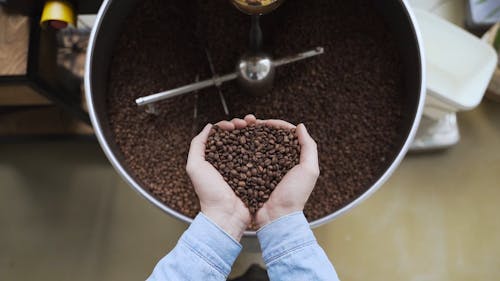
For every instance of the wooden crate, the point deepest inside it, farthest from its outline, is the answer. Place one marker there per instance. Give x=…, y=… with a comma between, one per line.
x=15, y=90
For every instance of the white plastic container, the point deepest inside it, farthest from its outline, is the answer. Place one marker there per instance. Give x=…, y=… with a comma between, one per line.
x=459, y=66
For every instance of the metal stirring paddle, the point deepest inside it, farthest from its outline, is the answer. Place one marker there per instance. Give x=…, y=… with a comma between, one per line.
x=253, y=72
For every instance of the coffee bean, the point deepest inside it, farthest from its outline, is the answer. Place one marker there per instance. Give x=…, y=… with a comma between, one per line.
x=257, y=185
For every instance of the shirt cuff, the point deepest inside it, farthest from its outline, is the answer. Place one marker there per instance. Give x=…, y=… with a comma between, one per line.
x=284, y=235
x=212, y=244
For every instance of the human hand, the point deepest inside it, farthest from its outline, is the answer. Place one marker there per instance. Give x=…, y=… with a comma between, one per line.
x=217, y=200
x=292, y=193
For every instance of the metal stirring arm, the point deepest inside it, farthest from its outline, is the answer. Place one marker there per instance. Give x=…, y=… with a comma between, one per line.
x=299, y=57
x=218, y=80
x=185, y=89
x=221, y=95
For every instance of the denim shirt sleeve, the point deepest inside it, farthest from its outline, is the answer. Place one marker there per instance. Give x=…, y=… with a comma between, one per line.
x=204, y=252
x=291, y=251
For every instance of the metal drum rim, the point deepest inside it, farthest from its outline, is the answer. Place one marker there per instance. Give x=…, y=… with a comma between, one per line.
x=123, y=173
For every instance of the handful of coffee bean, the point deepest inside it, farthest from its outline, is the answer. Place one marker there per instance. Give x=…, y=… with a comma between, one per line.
x=253, y=160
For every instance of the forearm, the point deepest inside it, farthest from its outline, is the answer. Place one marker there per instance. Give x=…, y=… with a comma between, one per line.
x=204, y=252
x=291, y=251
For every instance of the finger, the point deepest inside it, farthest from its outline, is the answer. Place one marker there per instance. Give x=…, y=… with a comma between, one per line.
x=280, y=124
x=250, y=119
x=239, y=123
x=260, y=122
x=226, y=125
x=197, y=149
x=308, y=147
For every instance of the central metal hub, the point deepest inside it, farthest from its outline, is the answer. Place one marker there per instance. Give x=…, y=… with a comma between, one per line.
x=256, y=73
x=255, y=70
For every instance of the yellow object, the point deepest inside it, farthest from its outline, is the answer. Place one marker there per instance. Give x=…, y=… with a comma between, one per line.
x=257, y=7
x=59, y=11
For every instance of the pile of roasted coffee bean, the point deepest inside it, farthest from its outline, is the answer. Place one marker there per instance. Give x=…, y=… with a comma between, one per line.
x=350, y=98
x=253, y=160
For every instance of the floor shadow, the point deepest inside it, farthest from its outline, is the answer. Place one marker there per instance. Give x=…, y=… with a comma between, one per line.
x=491, y=111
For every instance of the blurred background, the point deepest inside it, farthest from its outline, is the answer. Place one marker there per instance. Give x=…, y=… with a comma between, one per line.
x=65, y=214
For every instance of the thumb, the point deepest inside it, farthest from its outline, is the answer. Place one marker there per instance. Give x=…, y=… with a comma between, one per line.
x=308, y=148
x=197, y=149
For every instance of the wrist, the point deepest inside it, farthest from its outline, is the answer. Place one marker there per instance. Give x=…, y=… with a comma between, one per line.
x=233, y=223
x=268, y=213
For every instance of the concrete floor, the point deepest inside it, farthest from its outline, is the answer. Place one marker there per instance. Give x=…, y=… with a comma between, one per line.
x=66, y=215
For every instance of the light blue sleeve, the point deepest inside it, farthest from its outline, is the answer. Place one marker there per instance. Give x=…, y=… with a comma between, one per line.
x=291, y=251
x=204, y=252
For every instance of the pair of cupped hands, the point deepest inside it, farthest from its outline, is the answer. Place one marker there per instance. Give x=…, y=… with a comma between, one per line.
x=219, y=203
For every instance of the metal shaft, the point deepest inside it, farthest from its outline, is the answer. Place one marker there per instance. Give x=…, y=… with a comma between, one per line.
x=298, y=57
x=255, y=35
x=185, y=89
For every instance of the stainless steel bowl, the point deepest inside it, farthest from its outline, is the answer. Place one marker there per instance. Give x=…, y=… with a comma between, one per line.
x=112, y=15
